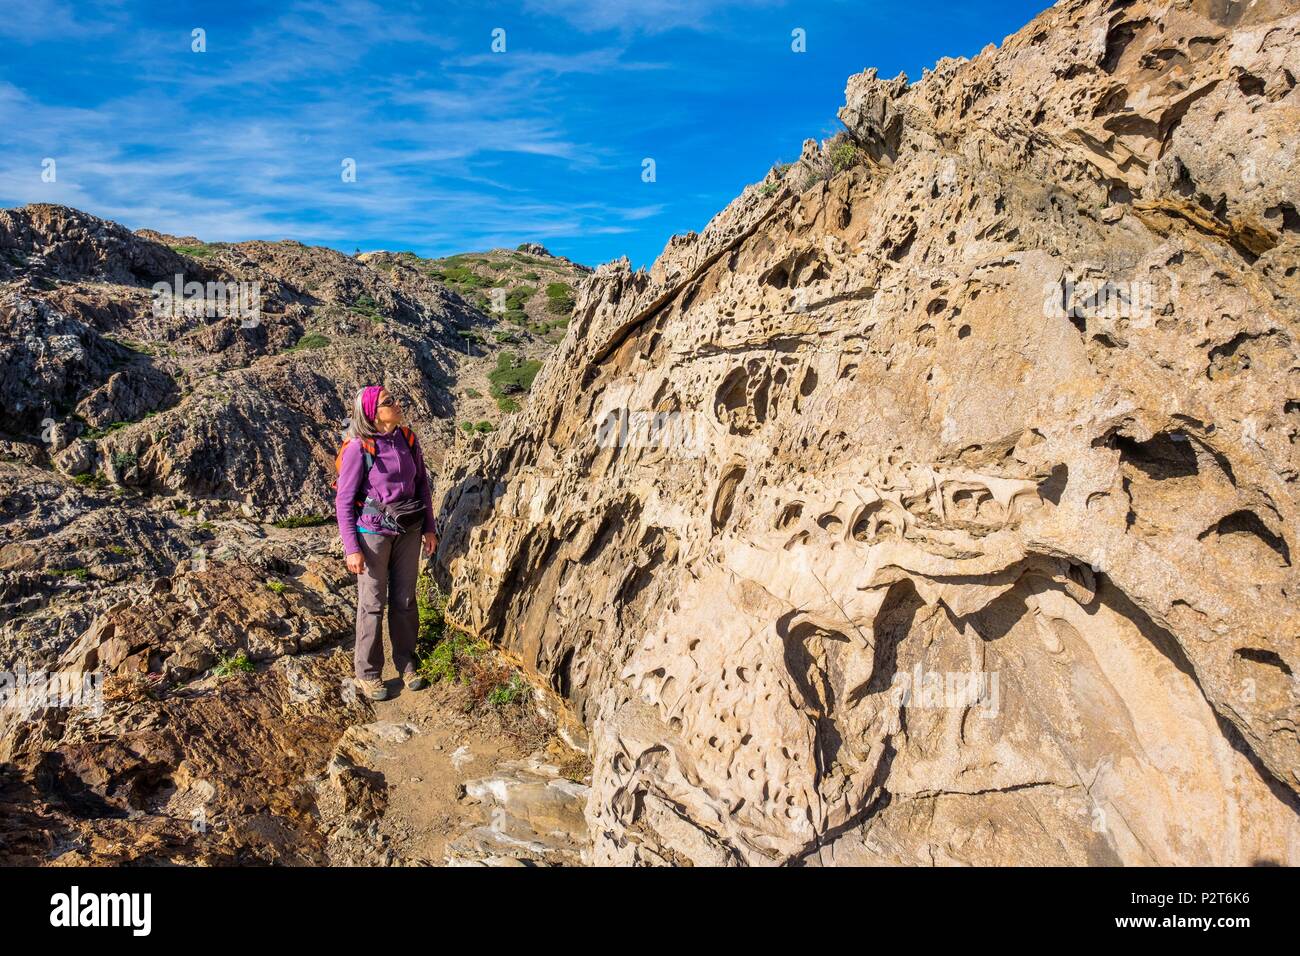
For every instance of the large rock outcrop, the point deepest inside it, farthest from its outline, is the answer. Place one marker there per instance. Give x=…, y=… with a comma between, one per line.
x=937, y=503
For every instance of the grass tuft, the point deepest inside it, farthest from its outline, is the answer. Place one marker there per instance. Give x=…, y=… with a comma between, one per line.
x=234, y=664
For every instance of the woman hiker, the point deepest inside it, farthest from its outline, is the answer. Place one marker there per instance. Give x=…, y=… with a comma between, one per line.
x=385, y=512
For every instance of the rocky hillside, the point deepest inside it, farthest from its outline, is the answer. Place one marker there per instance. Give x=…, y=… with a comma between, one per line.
x=131, y=414
x=937, y=503
x=527, y=292
x=166, y=506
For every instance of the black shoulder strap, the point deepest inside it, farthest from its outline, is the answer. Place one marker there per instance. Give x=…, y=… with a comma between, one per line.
x=367, y=462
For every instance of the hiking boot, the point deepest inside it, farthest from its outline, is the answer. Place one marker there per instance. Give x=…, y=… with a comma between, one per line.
x=374, y=689
x=415, y=682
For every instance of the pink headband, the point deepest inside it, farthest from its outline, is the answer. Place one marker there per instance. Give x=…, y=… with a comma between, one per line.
x=370, y=400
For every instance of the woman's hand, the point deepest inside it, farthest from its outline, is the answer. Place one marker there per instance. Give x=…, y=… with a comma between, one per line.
x=430, y=542
x=356, y=562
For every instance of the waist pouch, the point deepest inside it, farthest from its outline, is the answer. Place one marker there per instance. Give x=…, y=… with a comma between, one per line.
x=397, y=516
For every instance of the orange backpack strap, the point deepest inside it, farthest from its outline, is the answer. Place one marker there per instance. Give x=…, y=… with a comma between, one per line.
x=367, y=459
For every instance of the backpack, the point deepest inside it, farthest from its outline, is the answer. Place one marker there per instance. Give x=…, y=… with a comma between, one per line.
x=367, y=457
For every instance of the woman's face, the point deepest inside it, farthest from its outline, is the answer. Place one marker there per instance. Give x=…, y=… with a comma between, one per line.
x=389, y=413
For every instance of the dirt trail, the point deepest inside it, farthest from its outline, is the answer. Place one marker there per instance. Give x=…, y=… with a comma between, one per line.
x=429, y=769
x=426, y=783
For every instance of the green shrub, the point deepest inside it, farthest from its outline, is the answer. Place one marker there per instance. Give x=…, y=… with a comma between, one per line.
x=449, y=658
x=512, y=376
x=843, y=154
x=518, y=296
x=559, y=298
x=483, y=427
x=95, y=433
x=508, y=693
x=473, y=393
x=276, y=586
x=364, y=305
x=465, y=278
x=431, y=604
x=444, y=653
x=234, y=664
x=441, y=653
x=80, y=574
x=303, y=521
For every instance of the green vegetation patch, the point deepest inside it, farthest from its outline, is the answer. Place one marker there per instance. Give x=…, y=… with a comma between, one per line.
x=364, y=305
x=559, y=298
x=312, y=340
x=843, y=154
x=237, y=663
x=446, y=654
x=518, y=296
x=81, y=574
x=303, y=521
x=513, y=376
x=93, y=434
x=203, y=250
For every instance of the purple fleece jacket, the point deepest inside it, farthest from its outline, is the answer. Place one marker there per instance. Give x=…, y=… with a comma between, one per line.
x=398, y=472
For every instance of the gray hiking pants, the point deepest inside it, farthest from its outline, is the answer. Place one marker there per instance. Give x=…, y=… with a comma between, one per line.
x=392, y=565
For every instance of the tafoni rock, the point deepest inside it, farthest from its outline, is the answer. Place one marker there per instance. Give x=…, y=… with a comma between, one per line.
x=936, y=504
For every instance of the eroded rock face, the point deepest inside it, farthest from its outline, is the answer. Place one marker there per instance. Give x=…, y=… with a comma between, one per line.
x=965, y=530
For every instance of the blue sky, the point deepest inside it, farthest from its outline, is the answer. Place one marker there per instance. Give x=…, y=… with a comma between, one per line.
x=457, y=147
